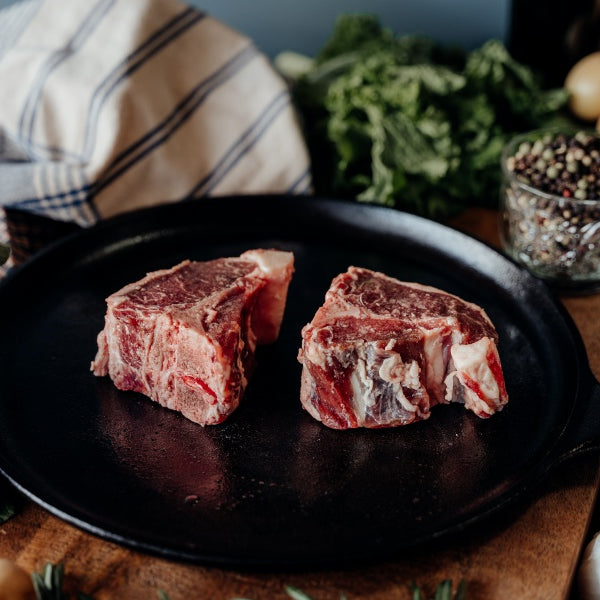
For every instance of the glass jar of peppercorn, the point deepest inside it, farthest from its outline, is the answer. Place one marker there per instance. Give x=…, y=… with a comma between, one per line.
x=550, y=206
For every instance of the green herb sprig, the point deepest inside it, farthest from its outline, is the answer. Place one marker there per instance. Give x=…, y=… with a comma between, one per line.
x=10, y=501
x=443, y=591
x=8, y=510
x=49, y=585
x=297, y=594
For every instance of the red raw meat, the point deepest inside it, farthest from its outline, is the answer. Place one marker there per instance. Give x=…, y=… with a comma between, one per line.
x=381, y=352
x=186, y=336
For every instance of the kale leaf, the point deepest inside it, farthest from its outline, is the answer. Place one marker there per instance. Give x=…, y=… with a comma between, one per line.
x=405, y=122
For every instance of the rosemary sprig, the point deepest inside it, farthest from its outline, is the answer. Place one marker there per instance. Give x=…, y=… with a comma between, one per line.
x=443, y=591
x=48, y=585
x=49, y=582
x=297, y=594
x=8, y=510
x=10, y=501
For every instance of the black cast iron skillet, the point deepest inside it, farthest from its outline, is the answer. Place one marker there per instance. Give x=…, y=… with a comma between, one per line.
x=271, y=486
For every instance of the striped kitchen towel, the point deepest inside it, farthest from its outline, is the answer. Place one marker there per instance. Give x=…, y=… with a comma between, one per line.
x=111, y=105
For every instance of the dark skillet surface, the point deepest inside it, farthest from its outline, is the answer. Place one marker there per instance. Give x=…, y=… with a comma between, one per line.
x=271, y=486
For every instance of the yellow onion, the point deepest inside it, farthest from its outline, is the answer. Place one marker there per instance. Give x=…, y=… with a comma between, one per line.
x=583, y=83
x=15, y=582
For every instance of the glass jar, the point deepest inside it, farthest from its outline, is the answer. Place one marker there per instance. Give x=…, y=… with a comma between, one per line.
x=554, y=235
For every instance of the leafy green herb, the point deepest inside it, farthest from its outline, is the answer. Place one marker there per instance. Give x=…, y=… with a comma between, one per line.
x=296, y=594
x=405, y=122
x=10, y=501
x=443, y=591
x=4, y=253
x=48, y=583
x=7, y=511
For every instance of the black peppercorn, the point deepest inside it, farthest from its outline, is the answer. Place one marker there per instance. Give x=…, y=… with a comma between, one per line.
x=559, y=164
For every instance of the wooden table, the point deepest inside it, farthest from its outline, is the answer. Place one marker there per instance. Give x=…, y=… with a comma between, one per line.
x=530, y=552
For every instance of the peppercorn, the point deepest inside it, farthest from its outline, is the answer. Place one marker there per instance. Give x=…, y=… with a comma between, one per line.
x=552, y=232
x=562, y=165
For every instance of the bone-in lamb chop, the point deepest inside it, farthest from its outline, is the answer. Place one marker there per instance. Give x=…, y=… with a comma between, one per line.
x=380, y=353
x=186, y=336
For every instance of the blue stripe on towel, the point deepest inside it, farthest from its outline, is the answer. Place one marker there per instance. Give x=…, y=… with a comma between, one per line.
x=244, y=143
x=156, y=42
x=182, y=112
x=27, y=120
x=301, y=184
x=14, y=19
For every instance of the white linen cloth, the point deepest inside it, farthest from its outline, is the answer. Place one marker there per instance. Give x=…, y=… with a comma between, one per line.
x=112, y=105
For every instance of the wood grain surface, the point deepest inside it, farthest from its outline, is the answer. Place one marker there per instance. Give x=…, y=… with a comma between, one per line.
x=529, y=552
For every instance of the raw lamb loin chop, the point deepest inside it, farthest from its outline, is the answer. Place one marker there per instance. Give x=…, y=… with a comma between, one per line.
x=186, y=336
x=381, y=352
